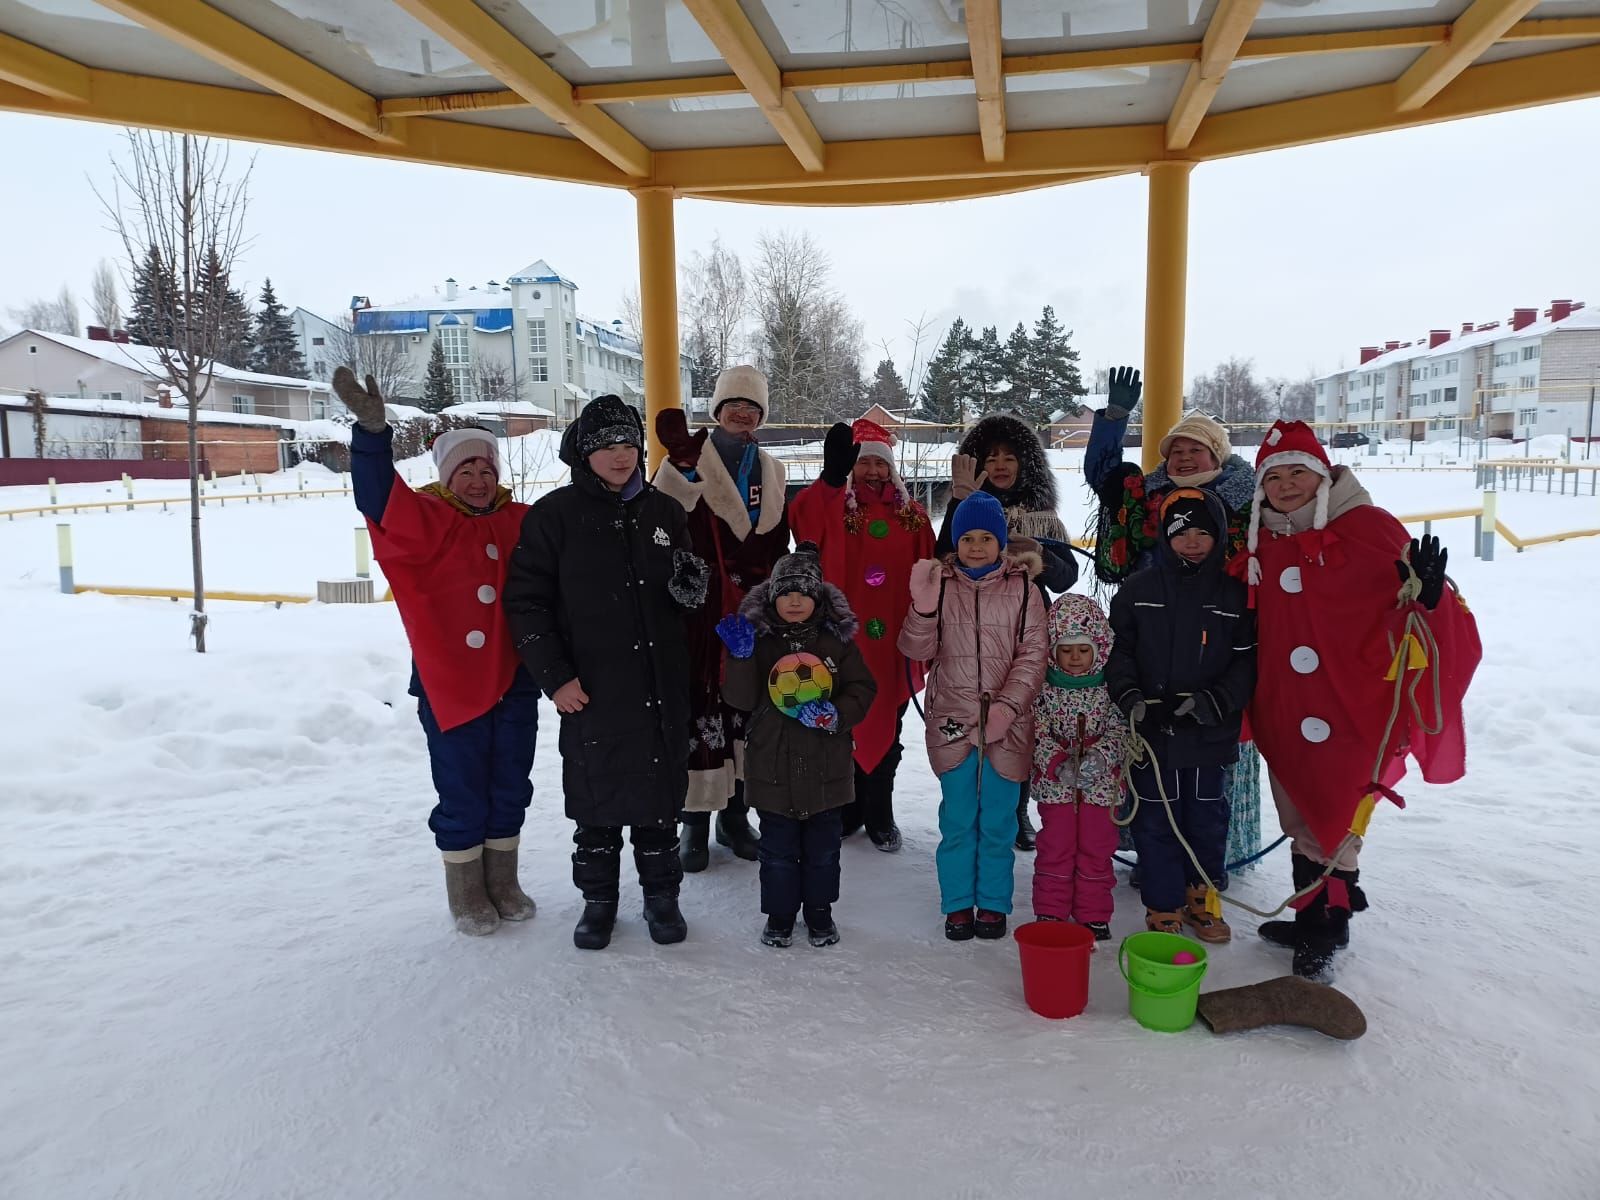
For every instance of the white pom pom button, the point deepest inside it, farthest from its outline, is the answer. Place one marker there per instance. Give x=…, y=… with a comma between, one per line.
x=1289, y=581
x=475, y=639
x=1304, y=659
x=486, y=594
x=492, y=550
x=1315, y=729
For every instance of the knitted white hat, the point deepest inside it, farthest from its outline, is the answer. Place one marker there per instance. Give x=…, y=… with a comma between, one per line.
x=1288, y=443
x=1198, y=427
x=741, y=382
x=453, y=448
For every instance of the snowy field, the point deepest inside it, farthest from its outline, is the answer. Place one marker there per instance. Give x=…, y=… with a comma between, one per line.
x=226, y=968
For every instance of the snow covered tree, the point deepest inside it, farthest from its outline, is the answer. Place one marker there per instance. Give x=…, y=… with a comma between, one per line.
x=988, y=373
x=945, y=380
x=887, y=388
x=154, y=299
x=437, y=392
x=1017, y=360
x=704, y=367
x=236, y=338
x=1053, y=369
x=277, y=350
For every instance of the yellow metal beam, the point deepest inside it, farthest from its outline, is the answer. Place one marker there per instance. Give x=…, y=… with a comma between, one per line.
x=1473, y=32
x=1165, y=300
x=742, y=49
x=42, y=71
x=505, y=56
x=1495, y=87
x=120, y=99
x=988, y=75
x=214, y=35
x=1230, y=22
x=658, y=308
x=1112, y=149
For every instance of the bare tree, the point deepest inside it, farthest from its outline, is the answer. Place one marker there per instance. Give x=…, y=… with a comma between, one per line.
x=494, y=382
x=807, y=340
x=1232, y=393
x=916, y=333
x=632, y=315
x=383, y=356
x=50, y=316
x=176, y=196
x=716, y=304
x=103, y=299
x=1293, y=399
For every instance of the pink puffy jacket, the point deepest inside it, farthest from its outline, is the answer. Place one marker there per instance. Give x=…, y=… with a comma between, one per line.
x=988, y=635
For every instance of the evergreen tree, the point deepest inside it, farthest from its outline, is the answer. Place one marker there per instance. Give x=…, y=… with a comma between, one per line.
x=988, y=372
x=887, y=388
x=704, y=369
x=1017, y=361
x=277, y=352
x=944, y=381
x=1054, y=369
x=227, y=306
x=437, y=392
x=152, y=313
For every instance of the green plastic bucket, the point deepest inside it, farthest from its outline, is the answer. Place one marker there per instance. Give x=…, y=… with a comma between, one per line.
x=1161, y=995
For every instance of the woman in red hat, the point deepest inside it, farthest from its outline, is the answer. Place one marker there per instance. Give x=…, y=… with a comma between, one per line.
x=1322, y=566
x=870, y=533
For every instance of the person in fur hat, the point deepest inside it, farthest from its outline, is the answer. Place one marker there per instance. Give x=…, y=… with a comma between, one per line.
x=1196, y=452
x=1182, y=668
x=794, y=667
x=977, y=618
x=600, y=582
x=1004, y=457
x=1080, y=743
x=444, y=550
x=1322, y=566
x=734, y=495
x=870, y=532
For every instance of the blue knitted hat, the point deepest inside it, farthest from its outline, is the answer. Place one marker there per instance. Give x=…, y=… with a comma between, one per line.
x=979, y=511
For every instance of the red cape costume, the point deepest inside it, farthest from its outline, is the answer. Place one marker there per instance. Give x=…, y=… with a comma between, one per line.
x=1329, y=631
x=869, y=558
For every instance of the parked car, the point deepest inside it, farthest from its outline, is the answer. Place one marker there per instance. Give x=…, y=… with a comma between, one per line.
x=1343, y=441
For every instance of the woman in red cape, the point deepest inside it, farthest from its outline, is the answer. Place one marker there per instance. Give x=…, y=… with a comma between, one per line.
x=1334, y=578
x=870, y=533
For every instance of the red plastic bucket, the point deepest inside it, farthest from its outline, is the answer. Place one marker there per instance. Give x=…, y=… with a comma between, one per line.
x=1055, y=967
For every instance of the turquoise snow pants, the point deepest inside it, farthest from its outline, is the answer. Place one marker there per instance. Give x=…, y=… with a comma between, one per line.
x=976, y=838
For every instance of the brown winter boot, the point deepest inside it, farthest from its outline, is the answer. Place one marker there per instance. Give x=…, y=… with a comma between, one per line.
x=1208, y=928
x=1288, y=1000
x=469, y=897
x=1162, y=922
x=500, y=879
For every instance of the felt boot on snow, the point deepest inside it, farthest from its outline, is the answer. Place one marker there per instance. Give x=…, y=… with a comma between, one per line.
x=500, y=879
x=593, y=931
x=778, y=933
x=1027, y=835
x=734, y=832
x=990, y=925
x=693, y=839
x=1289, y=1000
x=958, y=926
x=464, y=887
x=1207, y=926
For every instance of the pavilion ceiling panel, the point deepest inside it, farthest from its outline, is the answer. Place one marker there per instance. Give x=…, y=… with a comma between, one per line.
x=699, y=122
x=1035, y=26
x=1260, y=81
x=894, y=110
x=1111, y=96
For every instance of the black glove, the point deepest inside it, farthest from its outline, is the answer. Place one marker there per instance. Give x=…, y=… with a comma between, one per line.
x=1125, y=389
x=839, y=454
x=690, y=579
x=1201, y=708
x=1132, y=704
x=1428, y=559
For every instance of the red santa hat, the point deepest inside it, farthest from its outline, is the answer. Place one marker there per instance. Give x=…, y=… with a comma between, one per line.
x=876, y=442
x=1288, y=443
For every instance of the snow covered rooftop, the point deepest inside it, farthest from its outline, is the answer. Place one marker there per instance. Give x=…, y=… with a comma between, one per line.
x=467, y=299
x=147, y=360
x=1586, y=318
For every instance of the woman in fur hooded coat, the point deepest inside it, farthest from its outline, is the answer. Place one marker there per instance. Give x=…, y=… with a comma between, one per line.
x=1001, y=455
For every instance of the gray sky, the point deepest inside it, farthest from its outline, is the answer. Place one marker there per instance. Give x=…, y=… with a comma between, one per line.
x=1296, y=258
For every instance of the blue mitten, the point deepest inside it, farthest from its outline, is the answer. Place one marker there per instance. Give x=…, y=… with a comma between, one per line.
x=738, y=635
x=818, y=714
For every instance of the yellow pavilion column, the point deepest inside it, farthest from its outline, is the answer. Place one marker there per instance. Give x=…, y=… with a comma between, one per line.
x=1166, y=284
x=658, y=308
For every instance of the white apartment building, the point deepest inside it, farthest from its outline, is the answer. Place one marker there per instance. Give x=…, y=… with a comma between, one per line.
x=1535, y=374
x=530, y=326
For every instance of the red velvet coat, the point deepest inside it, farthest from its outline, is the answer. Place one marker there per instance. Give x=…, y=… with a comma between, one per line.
x=447, y=570
x=870, y=560
x=1328, y=632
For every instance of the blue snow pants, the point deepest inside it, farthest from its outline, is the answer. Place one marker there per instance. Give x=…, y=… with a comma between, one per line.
x=800, y=863
x=1201, y=811
x=977, y=836
x=482, y=770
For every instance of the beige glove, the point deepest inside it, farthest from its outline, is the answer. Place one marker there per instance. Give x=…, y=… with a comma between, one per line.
x=364, y=403
x=965, y=478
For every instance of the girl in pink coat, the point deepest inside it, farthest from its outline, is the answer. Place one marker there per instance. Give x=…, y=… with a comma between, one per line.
x=980, y=624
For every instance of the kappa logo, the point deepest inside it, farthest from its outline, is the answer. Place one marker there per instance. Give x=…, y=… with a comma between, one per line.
x=661, y=538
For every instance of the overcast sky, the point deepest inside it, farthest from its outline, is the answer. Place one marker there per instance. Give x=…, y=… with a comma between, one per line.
x=1296, y=258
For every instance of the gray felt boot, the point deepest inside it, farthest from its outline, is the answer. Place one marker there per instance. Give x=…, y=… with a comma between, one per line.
x=500, y=879
x=469, y=895
x=1288, y=1000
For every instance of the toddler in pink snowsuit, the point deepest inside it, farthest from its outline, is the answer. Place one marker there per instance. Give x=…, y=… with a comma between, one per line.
x=1077, y=765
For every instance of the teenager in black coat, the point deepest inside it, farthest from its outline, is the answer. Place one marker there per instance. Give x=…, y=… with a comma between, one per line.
x=595, y=598
x=1183, y=666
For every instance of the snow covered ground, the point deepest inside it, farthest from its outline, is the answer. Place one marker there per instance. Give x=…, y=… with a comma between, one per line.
x=226, y=967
